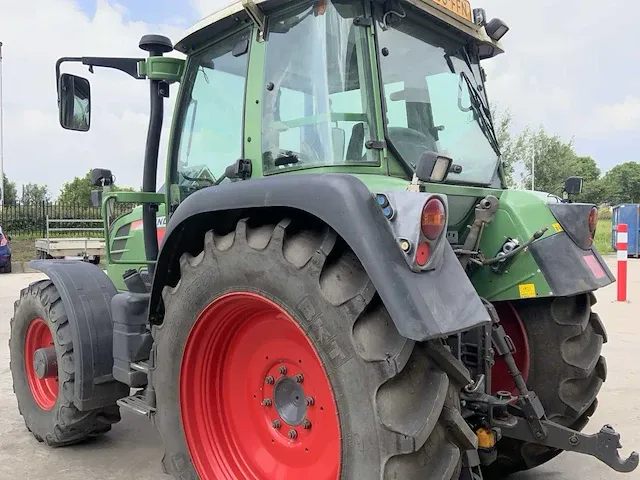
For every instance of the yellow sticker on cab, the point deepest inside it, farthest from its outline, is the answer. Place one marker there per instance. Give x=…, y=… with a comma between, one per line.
x=557, y=227
x=527, y=290
x=462, y=8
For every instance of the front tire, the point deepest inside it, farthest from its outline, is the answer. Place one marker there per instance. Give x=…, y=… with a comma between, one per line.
x=40, y=322
x=263, y=304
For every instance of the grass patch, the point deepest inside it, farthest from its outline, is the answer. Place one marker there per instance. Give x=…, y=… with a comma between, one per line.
x=23, y=249
x=603, y=236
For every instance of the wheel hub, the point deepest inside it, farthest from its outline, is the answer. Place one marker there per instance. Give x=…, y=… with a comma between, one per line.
x=41, y=364
x=289, y=398
x=256, y=400
x=45, y=362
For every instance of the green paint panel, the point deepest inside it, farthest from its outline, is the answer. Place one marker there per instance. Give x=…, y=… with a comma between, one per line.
x=253, y=108
x=519, y=216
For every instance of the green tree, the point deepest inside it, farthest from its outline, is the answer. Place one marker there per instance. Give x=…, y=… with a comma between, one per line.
x=10, y=191
x=78, y=190
x=551, y=160
x=593, y=190
x=513, y=147
x=587, y=168
x=622, y=183
x=32, y=194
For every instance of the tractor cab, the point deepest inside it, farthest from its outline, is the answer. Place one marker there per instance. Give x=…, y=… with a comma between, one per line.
x=328, y=88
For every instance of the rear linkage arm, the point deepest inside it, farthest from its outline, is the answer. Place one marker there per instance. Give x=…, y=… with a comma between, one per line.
x=526, y=419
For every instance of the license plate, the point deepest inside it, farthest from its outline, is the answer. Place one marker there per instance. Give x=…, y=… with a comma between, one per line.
x=462, y=8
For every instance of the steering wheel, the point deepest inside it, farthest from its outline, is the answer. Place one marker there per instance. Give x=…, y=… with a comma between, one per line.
x=410, y=143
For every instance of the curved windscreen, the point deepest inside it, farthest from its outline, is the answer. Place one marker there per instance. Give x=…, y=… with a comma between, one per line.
x=435, y=100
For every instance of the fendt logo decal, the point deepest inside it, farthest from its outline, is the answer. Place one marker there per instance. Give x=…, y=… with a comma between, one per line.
x=161, y=225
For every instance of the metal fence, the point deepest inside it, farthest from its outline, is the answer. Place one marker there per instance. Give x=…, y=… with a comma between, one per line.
x=31, y=220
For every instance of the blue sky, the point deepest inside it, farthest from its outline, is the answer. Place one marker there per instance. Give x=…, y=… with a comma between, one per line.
x=151, y=11
x=570, y=66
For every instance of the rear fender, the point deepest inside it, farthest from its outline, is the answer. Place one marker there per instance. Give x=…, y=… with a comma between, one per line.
x=86, y=293
x=424, y=305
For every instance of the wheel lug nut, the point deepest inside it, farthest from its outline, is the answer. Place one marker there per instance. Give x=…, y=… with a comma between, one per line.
x=306, y=424
x=275, y=424
x=282, y=370
x=310, y=401
x=269, y=380
x=299, y=378
x=293, y=434
x=266, y=402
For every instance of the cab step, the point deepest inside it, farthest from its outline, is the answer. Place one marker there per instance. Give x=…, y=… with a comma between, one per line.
x=137, y=404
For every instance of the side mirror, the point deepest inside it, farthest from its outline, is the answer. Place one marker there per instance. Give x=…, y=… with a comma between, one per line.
x=573, y=185
x=74, y=102
x=432, y=167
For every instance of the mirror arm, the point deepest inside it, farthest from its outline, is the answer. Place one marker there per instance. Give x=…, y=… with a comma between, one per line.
x=126, y=65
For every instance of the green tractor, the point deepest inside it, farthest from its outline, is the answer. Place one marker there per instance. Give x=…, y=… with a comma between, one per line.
x=333, y=281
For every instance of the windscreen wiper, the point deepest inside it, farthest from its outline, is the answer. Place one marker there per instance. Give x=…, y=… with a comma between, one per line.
x=484, y=117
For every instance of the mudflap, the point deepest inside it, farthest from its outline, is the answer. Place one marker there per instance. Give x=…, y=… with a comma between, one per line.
x=86, y=293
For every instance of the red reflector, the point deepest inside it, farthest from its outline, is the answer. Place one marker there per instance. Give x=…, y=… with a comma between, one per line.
x=593, y=224
x=433, y=219
x=593, y=220
x=423, y=252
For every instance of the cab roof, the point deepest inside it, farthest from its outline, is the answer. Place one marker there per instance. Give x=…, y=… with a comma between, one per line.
x=234, y=14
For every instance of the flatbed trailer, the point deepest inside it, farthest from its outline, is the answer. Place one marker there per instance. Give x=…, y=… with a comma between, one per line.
x=84, y=248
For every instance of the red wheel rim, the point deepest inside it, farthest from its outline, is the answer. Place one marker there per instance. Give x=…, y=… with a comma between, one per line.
x=248, y=366
x=501, y=379
x=44, y=390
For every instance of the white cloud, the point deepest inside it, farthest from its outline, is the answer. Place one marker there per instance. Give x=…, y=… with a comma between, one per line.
x=207, y=7
x=616, y=117
x=35, y=34
x=565, y=59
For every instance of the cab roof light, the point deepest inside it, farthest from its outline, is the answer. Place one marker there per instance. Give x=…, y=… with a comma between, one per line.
x=496, y=29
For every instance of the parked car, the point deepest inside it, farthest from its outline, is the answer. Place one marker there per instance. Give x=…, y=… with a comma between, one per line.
x=5, y=252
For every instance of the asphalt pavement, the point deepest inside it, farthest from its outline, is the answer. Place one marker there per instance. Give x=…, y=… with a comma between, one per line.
x=132, y=450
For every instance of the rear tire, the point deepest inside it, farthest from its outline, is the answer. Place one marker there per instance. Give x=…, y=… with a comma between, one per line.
x=47, y=406
x=392, y=404
x=565, y=339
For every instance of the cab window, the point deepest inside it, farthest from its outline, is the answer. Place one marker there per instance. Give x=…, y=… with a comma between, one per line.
x=211, y=116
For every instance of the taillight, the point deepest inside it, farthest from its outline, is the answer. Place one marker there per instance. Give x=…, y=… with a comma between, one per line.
x=423, y=253
x=433, y=219
x=593, y=221
x=3, y=240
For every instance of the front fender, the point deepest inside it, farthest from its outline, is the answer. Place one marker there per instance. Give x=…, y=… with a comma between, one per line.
x=86, y=293
x=422, y=305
